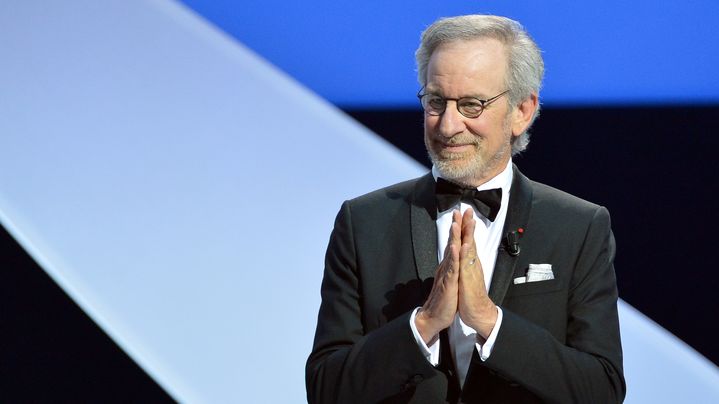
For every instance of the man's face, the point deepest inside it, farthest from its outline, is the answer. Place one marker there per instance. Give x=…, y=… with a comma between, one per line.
x=469, y=150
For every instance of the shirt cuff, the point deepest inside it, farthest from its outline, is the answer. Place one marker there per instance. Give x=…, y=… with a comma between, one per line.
x=431, y=353
x=486, y=349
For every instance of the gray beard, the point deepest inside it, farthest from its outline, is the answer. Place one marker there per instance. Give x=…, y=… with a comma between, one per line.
x=477, y=172
x=470, y=175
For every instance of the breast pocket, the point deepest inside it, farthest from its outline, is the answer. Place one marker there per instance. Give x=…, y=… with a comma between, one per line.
x=531, y=288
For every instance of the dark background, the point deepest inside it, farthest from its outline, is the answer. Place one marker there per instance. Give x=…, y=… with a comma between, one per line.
x=653, y=167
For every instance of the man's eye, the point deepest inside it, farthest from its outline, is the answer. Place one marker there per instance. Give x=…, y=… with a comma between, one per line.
x=471, y=107
x=470, y=104
x=436, y=102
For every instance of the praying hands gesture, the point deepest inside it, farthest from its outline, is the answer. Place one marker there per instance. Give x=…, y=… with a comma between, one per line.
x=458, y=286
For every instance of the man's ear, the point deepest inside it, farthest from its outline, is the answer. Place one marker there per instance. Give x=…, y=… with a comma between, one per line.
x=523, y=113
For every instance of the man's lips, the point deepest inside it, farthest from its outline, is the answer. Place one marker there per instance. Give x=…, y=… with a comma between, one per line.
x=456, y=147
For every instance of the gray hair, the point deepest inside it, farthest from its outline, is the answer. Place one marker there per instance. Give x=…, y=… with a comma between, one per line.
x=526, y=67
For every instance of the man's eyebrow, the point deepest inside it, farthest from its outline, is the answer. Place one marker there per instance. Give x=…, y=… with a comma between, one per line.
x=430, y=90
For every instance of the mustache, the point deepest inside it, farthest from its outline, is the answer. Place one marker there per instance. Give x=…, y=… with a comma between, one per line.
x=456, y=141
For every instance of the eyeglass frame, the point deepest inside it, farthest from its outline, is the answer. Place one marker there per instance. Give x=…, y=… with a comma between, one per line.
x=483, y=103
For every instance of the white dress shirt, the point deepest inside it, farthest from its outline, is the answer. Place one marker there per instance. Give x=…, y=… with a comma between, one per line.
x=487, y=236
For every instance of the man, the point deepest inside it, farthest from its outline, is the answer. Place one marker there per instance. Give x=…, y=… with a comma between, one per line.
x=471, y=283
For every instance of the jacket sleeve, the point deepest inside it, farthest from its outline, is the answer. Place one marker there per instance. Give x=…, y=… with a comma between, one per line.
x=587, y=367
x=349, y=363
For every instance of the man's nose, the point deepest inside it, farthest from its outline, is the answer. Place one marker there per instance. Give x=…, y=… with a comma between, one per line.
x=451, y=122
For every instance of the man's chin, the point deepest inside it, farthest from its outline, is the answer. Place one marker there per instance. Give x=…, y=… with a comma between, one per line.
x=457, y=170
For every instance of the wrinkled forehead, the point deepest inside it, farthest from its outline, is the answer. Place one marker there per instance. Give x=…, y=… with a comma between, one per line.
x=468, y=65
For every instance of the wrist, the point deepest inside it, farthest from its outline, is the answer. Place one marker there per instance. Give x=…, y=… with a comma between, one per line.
x=429, y=334
x=487, y=322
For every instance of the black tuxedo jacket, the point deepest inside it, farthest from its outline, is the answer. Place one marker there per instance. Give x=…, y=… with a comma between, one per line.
x=559, y=339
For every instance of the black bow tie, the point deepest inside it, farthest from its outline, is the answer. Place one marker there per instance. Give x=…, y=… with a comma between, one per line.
x=484, y=202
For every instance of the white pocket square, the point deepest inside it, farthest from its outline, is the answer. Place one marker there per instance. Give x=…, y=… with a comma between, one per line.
x=536, y=273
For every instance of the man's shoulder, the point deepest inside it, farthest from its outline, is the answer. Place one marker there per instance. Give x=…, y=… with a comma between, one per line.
x=544, y=192
x=550, y=199
x=399, y=194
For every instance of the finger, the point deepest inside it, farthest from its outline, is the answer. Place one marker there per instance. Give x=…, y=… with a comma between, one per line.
x=468, y=258
x=468, y=223
x=454, y=262
x=468, y=252
x=455, y=233
x=466, y=218
x=468, y=227
x=450, y=264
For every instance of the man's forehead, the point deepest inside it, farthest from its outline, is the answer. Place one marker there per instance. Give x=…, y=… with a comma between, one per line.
x=473, y=68
x=479, y=49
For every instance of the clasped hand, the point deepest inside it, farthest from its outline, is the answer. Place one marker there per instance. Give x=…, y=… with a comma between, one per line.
x=458, y=286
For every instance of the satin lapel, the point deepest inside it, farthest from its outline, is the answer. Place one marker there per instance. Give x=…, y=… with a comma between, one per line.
x=520, y=204
x=424, y=227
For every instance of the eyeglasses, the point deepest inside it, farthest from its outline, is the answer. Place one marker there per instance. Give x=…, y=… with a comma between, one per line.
x=469, y=107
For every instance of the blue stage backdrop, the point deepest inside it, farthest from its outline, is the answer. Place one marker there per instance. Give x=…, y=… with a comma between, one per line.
x=360, y=53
